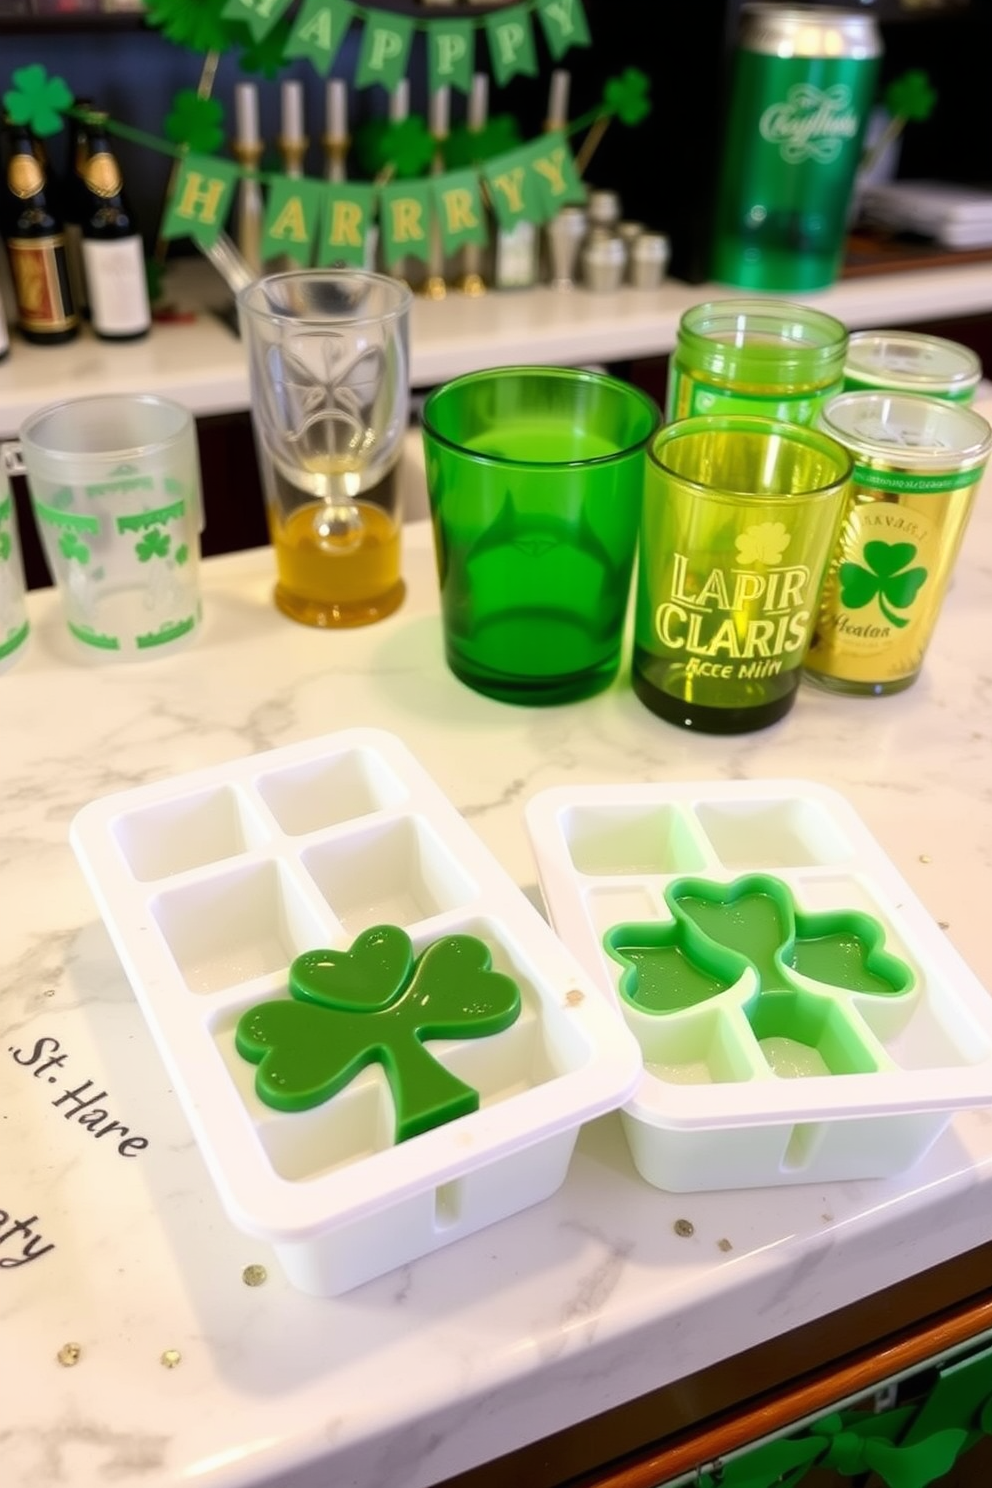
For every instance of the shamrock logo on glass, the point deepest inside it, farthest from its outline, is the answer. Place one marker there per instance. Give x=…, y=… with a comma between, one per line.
x=154, y=544
x=378, y=1003
x=71, y=547
x=886, y=576
x=765, y=542
x=181, y=554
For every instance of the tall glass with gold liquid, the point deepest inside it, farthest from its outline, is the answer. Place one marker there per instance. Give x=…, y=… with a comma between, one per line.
x=330, y=391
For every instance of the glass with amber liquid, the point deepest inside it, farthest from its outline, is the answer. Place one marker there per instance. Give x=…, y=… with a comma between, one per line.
x=328, y=357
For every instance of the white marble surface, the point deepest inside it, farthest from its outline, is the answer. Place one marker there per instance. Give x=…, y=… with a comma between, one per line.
x=558, y=1313
x=202, y=364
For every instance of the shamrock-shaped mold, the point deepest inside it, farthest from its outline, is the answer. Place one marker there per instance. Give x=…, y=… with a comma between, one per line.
x=788, y=970
x=378, y=1003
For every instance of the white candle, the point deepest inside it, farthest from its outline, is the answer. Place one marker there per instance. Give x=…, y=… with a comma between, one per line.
x=478, y=101
x=337, y=109
x=558, y=99
x=246, y=114
x=292, y=112
x=399, y=101
x=440, y=112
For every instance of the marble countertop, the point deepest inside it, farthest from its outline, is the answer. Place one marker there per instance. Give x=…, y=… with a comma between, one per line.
x=187, y=1374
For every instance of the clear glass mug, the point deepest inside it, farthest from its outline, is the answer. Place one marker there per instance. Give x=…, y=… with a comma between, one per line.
x=328, y=355
x=114, y=482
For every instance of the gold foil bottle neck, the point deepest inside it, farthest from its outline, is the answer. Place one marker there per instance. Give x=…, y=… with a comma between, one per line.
x=25, y=176
x=102, y=174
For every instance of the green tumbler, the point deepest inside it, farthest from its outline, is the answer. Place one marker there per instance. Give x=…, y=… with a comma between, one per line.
x=535, y=477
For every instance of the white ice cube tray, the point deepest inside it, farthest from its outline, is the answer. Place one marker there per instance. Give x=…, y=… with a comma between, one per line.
x=714, y=1108
x=212, y=883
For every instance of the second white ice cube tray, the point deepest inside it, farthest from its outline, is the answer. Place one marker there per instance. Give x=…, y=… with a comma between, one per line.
x=212, y=883
x=814, y=1084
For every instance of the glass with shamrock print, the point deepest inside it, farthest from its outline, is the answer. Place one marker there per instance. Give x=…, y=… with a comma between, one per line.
x=329, y=368
x=917, y=465
x=115, y=489
x=740, y=518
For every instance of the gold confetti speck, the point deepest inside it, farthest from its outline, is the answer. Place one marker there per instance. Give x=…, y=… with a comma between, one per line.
x=171, y=1358
x=69, y=1354
x=684, y=1228
x=254, y=1275
x=925, y=858
x=574, y=997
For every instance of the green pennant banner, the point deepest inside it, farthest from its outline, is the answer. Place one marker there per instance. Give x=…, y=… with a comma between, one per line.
x=259, y=15
x=451, y=55
x=318, y=32
x=385, y=47
x=200, y=200
x=404, y=218
x=556, y=179
x=292, y=212
x=511, y=44
x=345, y=221
x=513, y=187
x=564, y=24
x=458, y=205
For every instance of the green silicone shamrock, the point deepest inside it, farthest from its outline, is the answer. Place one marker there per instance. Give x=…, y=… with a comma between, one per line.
x=378, y=1004
x=466, y=147
x=37, y=99
x=154, y=544
x=195, y=121
x=886, y=576
x=71, y=547
x=910, y=96
x=198, y=26
x=626, y=96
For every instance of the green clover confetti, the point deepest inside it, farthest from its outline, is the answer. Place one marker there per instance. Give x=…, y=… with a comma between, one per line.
x=154, y=544
x=198, y=26
x=404, y=146
x=910, y=96
x=886, y=577
x=626, y=96
x=37, y=99
x=195, y=121
x=465, y=147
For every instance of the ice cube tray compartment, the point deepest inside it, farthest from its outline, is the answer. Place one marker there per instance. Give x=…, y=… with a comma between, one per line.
x=211, y=884
x=813, y=1082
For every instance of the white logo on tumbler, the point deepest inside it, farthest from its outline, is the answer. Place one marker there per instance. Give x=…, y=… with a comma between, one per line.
x=811, y=124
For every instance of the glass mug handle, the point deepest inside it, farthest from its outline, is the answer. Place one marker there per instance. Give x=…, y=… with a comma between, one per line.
x=12, y=458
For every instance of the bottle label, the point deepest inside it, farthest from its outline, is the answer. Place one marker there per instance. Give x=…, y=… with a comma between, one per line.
x=25, y=176
x=34, y=264
x=117, y=287
x=102, y=174
x=688, y=396
x=884, y=588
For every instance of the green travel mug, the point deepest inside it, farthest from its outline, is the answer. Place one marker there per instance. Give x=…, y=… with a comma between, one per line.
x=768, y=357
x=535, y=477
x=803, y=86
x=740, y=519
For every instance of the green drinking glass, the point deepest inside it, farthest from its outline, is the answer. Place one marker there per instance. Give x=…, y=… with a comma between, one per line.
x=741, y=516
x=535, y=477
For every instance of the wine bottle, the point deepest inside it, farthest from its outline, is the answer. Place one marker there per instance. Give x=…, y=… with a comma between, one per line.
x=33, y=232
x=74, y=205
x=113, y=253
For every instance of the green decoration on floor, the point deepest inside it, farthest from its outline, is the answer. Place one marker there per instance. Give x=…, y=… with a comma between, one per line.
x=378, y=1004
x=37, y=100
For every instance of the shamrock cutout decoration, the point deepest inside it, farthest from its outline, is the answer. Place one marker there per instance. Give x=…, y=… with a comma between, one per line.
x=626, y=96
x=886, y=577
x=404, y=145
x=378, y=1004
x=911, y=96
x=764, y=542
x=199, y=27
x=71, y=547
x=466, y=147
x=267, y=55
x=154, y=544
x=195, y=121
x=37, y=99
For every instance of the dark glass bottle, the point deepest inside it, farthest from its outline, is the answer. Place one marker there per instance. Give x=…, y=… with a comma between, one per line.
x=113, y=253
x=33, y=232
x=74, y=204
